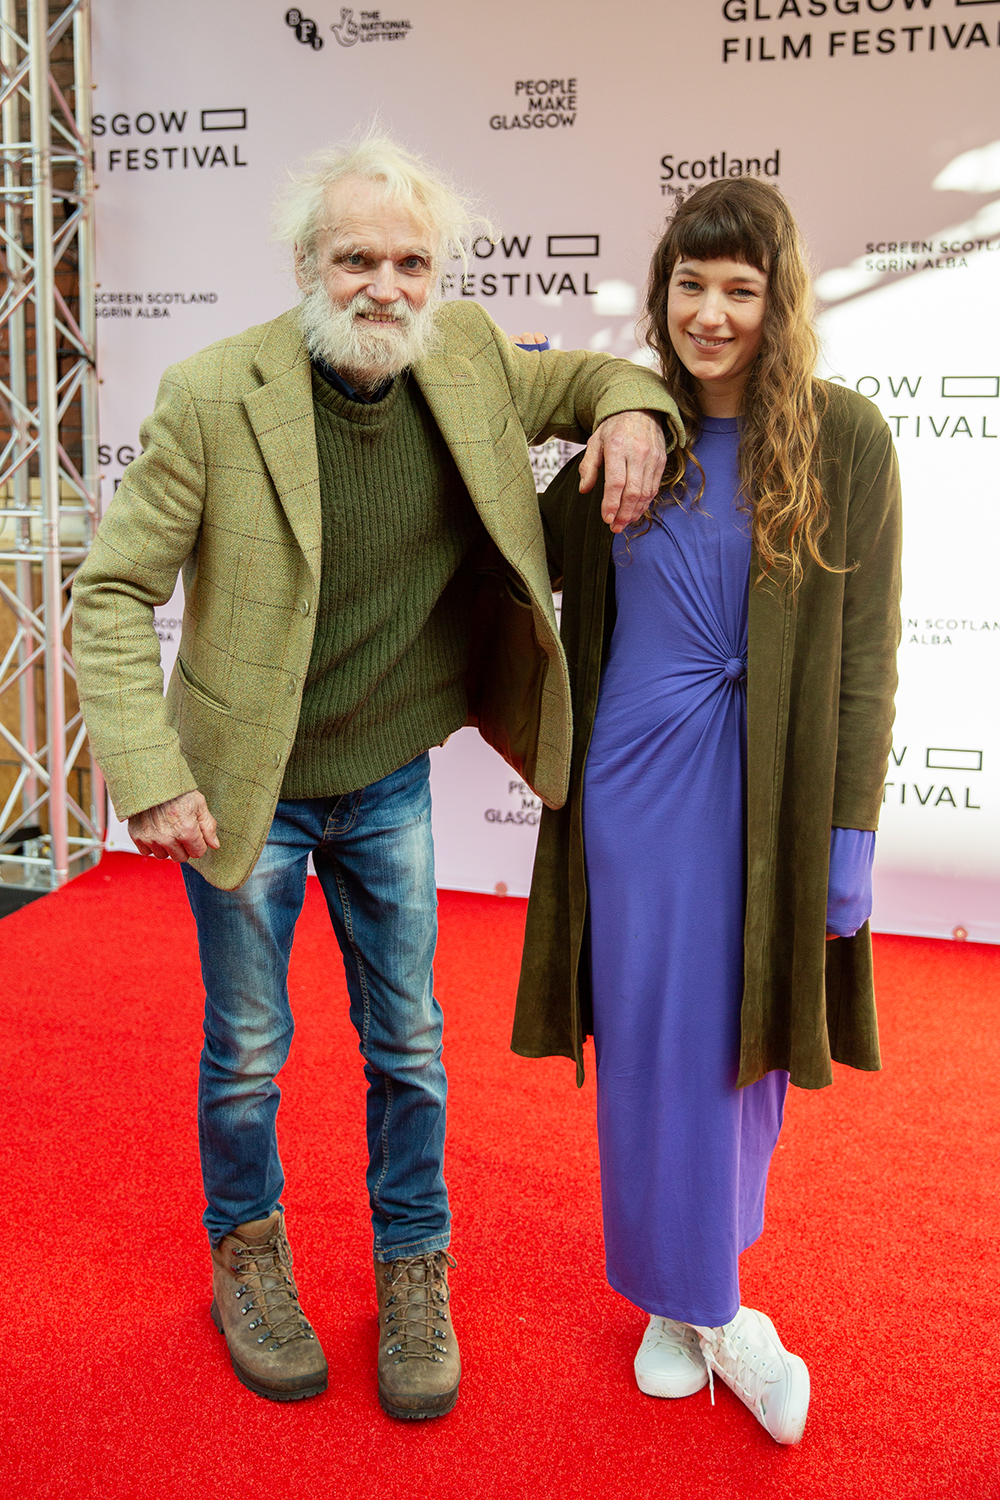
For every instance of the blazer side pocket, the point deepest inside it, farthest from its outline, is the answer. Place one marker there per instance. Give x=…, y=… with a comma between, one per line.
x=197, y=689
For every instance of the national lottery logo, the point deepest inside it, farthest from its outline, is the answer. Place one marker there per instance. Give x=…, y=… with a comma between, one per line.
x=346, y=30
x=353, y=27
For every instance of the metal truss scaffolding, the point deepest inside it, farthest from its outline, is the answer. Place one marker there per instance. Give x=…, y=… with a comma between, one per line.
x=51, y=795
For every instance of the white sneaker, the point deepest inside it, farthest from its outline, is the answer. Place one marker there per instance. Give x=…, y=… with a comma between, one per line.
x=749, y=1356
x=670, y=1361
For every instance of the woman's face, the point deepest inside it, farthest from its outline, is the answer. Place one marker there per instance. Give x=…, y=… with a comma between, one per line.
x=715, y=318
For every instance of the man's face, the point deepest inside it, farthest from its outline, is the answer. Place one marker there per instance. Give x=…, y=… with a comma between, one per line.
x=372, y=285
x=373, y=246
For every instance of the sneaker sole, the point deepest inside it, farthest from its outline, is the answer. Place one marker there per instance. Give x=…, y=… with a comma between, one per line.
x=795, y=1414
x=650, y=1385
x=258, y=1389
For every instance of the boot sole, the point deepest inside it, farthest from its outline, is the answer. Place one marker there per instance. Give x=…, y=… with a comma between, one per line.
x=251, y=1384
x=442, y=1407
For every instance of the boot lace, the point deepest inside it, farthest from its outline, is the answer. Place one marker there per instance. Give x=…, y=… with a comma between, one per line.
x=265, y=1273
x=416, y=1318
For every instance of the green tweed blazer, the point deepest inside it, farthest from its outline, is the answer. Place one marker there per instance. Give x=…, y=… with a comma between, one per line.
x=226, y=490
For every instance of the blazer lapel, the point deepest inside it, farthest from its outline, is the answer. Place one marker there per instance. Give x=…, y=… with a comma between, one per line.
x=451, y=389
x=474, y=416
x=281, y=414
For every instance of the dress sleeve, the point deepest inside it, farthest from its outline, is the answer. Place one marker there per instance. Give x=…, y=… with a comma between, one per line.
x=849, y=891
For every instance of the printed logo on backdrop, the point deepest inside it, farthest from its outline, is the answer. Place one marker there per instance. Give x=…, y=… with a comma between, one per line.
x=305, y=30
x=177, y=140
x=370, y=26
x=116, y=456
x=930, y=791
x=548, y=458
x=942, y=28
x=168, y=629
x=682, y=176
x=535, y=275
x=920, y=408
x=155, y=306
x=547, y=104
x=899, y=256
x=523, y=808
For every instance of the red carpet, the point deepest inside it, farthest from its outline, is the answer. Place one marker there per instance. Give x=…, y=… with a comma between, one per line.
x=879, y=1263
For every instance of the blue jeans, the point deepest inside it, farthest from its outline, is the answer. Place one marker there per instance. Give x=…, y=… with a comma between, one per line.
x=374, y=856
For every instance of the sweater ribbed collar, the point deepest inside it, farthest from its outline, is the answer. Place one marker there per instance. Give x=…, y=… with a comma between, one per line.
x=369, y=415
x=338, y=382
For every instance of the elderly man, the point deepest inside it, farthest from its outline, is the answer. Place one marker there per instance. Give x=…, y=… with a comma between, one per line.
x=348, y=492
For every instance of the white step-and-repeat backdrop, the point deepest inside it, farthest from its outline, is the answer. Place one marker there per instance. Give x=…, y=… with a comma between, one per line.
x=579, y=127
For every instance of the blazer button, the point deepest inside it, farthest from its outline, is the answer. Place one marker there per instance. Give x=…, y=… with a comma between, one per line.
x=277, y=760
x=304, y=606
x=291, y=687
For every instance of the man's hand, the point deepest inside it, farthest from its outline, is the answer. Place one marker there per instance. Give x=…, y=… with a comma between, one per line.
x=180, y=829
x=633, y=450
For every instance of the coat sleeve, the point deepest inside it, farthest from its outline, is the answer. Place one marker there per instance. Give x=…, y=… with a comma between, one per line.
x=871, y=631
x=149, y=530
x=553, y=503
x=567, y=394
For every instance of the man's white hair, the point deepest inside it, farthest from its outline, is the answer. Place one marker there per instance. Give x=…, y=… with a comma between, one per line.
x=407, y=180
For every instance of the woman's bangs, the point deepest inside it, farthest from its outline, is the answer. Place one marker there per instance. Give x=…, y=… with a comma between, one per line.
x=721, y=236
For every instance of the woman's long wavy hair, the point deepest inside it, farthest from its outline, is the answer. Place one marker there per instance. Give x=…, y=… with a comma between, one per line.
x=746, y=220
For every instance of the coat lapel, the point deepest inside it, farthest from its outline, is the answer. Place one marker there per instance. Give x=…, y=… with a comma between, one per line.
x=771, y=630
x=454, y=395
x=281, y=414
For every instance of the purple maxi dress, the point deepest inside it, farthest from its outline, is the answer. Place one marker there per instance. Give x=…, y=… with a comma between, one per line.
x=684, y=1153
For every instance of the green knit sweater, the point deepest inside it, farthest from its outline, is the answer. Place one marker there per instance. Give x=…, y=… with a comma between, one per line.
x=386, y=677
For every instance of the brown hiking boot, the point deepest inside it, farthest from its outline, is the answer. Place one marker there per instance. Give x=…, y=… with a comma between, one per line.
x=256, y=1305
x=418, y=1364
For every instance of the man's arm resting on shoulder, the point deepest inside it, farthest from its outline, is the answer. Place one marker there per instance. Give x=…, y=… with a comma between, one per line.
x=621, y=405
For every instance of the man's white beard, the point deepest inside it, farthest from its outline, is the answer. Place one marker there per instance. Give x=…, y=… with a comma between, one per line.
x=368, y=353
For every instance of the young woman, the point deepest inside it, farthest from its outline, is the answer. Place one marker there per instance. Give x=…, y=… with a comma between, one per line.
x=700, y=904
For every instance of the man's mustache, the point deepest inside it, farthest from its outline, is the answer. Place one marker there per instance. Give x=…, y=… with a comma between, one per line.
x=398, y=311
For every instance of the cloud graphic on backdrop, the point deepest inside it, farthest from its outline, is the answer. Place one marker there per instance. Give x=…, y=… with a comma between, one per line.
x=615, y=299
x=973, y=172
x=976, y=171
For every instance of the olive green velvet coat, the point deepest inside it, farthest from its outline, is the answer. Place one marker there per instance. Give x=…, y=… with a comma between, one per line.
x=820, y=683
x=227, y=489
